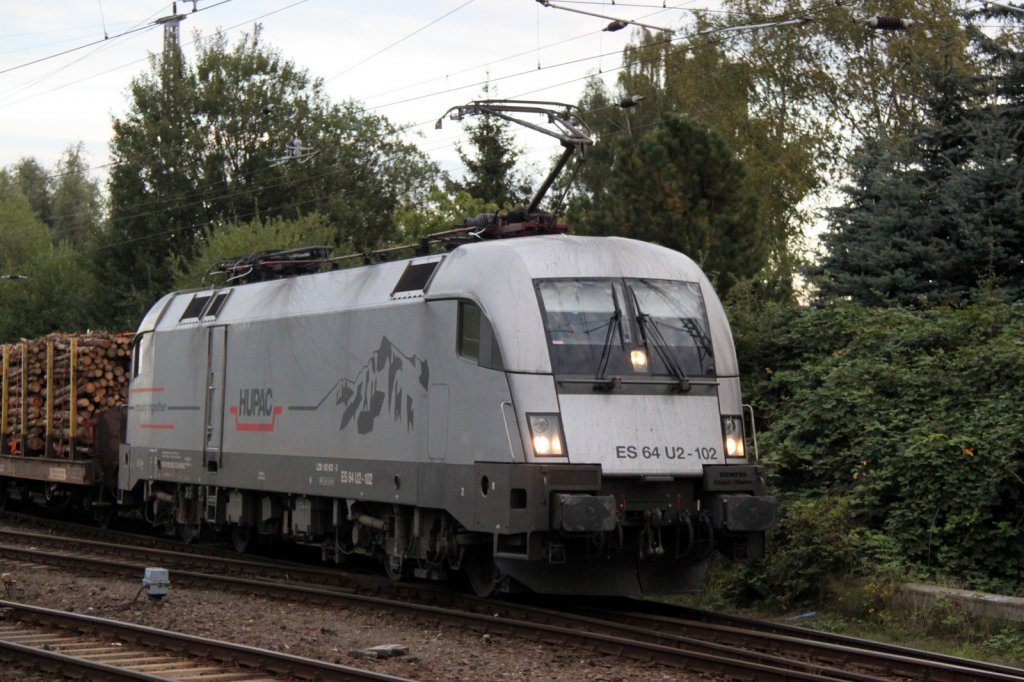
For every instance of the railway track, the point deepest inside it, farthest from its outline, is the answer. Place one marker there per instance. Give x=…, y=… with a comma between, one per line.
x=87, y=647
x=886, y=660
x=688, y=640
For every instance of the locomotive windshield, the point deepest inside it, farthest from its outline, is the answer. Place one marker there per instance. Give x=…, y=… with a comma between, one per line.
x=609, y=327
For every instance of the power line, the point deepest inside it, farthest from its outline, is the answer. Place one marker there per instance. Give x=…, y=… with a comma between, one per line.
x=74, y=49
x=143, y=59
x=400, y=40
x=477, y=84
x=749, y=28
x=97, y=42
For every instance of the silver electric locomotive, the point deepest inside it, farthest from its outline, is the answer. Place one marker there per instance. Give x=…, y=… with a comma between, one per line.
x=556, y=412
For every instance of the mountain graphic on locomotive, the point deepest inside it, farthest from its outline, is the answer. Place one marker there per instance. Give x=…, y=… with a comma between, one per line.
x=529, y=408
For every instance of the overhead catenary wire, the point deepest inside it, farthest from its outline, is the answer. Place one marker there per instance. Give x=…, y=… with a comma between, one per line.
x=97, y=42
x=550, y=86
x=313, y=200
x=477, y=84
x=143, y=59
x=423, y=123
x=146, y=58
x=616, y=22
x=399, y=41
x=490, y=63
x=75, y=49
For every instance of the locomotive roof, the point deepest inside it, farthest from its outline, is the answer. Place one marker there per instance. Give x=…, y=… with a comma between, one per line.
x=495, y=274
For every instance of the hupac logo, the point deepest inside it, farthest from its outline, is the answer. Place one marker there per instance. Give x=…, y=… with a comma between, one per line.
x=253, y=408
x=256, y=402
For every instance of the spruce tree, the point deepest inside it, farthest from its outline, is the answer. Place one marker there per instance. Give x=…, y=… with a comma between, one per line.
x=491, y=163
x=932, y=218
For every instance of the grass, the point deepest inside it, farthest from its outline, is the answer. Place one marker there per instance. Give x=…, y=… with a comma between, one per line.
x=878, y=611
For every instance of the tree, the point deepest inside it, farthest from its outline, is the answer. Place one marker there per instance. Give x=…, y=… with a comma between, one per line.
x=792, y=101
x=58, y=295
x=866, y=404
x=23, y=235
x=491, y=173
x=931, y=219
x=57, y=292
x=67, y=200
x=442, y=211
x=254, y=236
x=34, y=184
x=679, y=185
x=878, y=248
x=76, y=206
x=713, y=82
x=207, y=144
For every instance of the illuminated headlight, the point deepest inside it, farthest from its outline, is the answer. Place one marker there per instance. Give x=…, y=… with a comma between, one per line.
x=638, y=358
x=732, y=433
x=546, y=435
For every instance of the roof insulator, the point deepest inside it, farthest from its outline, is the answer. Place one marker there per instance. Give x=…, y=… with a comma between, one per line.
x=888, y=23
x=632, y=101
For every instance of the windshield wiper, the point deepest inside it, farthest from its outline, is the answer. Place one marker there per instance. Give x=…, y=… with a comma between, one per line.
x=700, y=339
x=653, y=338
x=614, y=325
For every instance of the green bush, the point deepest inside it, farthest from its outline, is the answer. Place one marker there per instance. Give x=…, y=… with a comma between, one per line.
x=914, y=419
x=813, y=540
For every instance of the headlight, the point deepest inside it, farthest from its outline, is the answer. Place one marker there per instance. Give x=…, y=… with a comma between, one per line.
x=546, y=435
x=638, y=358
x=732, y=434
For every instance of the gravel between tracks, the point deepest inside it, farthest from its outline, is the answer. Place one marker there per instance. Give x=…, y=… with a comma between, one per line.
x=436, y=651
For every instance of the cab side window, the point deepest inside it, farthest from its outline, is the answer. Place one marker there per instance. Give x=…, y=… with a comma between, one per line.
x=142, y=353
x=476, y=340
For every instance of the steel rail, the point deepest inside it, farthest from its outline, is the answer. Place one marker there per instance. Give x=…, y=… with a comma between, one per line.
x=692, y=655
x=879, y=658
x=683, y=629
x=259, y=662
x=707, y=618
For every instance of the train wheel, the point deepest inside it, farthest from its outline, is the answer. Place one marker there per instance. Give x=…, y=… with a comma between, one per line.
x=104, y=515
x=393, y=567
x=482, y=574
x=241, y=538
x=188, y=532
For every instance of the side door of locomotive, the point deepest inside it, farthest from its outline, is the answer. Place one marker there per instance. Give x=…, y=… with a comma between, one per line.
x=213, y=440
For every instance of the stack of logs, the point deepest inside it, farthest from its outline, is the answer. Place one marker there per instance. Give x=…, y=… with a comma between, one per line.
x=101, y=376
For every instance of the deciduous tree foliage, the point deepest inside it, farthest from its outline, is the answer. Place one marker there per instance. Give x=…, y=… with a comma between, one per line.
x=76, y=204
x=441, y=212
x=23, y=235
x=57, y=291
x=33, y=182
x=66, y=199
x=706, y=80
x=907, y=420
x=793, y=101
x=253, y=236
x=205, y=144
x=57, y=296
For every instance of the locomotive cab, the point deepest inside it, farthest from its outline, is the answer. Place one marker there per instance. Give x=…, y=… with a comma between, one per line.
x=625, y=389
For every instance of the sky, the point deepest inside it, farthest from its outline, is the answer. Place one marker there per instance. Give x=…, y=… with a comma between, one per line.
x=65, y=66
